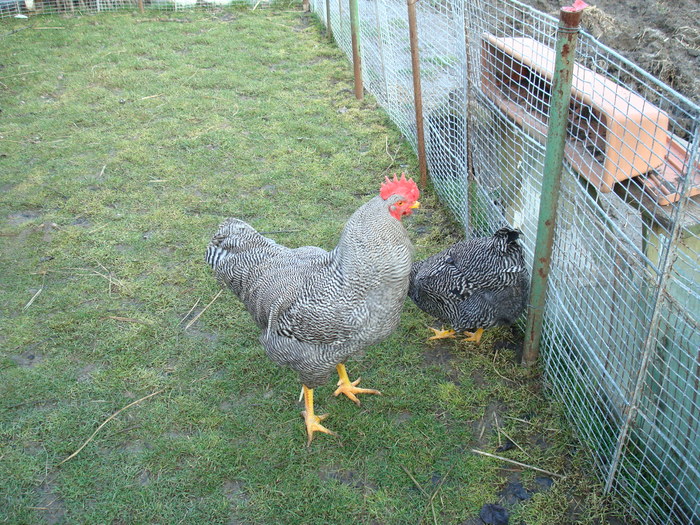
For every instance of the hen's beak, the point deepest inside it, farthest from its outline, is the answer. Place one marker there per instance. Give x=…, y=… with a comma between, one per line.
x=415, y=205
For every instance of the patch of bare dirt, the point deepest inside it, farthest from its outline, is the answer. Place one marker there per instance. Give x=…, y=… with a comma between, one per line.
x=347, y=477
x=27, y=359
x=441, y=356
x=50, y=503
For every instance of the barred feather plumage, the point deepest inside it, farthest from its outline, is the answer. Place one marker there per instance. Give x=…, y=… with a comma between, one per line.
x=477, y=283
x=317, y=308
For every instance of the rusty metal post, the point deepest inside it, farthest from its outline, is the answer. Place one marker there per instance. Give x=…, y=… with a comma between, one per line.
x=356, y=58
x=140, y=6
x=329, y=29
x=417, y=92
x=567, y=35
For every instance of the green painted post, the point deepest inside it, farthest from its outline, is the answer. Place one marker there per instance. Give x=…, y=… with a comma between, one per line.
x=356, y=58
x=567, y=35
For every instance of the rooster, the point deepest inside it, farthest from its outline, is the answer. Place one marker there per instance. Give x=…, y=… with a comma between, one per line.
x=316, y=308
x=473, y=284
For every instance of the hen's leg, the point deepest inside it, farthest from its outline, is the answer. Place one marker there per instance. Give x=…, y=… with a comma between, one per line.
x=313, y=422
x=348, y=388
x=442, y=334
x=474, y=337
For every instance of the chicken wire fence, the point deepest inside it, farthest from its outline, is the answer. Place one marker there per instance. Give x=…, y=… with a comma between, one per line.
x=621, y=343
x=23, y=8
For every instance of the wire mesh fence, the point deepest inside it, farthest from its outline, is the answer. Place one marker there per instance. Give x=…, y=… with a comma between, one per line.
x=24, y=8
x=621, y=343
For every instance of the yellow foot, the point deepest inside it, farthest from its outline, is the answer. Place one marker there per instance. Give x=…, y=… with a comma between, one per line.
x=442, y=334
x=313, y=422
x=473, y=337
x=345, y=386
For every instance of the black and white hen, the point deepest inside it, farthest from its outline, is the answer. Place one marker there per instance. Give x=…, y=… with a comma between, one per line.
x=473, y=284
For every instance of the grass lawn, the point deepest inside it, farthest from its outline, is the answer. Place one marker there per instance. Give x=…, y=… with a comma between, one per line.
x=125, y=139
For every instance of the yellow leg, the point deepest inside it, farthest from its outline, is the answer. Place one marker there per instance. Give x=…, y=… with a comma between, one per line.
x=442, y=334
x=313, y=422
x=345, y=386
x=474, y=337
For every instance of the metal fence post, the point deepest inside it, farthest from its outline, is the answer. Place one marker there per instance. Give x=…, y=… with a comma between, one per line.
x=329, y=29
x=567, y=36
x=356, y=58
x=417, y=92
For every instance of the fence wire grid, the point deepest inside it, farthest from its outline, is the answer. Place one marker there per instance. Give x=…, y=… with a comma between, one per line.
x=24, y=8
x=620, y=348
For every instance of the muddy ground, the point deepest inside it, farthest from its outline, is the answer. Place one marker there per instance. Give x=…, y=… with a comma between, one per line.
x=660, y=36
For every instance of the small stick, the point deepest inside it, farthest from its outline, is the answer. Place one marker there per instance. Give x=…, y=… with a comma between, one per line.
x=152, y=96
x=437, y=489
x=498, y=429
x=514, y=443
x=32, y=299
x=531, y=423
x=188, y=313
x=125, y=319
x=414, y=481
x=20, y=74
x=107, y=421
x=496, y=369
x=194, y=319
x=256, y=5
x=517, y=463
x=430, y=500
x=95, y=230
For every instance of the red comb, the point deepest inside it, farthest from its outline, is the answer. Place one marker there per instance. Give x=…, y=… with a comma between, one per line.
x=399, y=186
x=578, y=5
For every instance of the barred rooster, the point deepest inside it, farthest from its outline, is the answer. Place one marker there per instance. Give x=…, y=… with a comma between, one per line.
x=316, y=308
x=474, y=284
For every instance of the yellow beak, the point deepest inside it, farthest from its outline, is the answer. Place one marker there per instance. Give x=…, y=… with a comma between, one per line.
x=415, y=205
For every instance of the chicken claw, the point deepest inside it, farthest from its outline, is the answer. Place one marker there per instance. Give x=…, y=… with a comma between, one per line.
x=473, y=337
x=345, y=386
x=442, y=334
x=313, y=422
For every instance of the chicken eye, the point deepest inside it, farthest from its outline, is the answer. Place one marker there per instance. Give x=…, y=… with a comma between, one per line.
x=399, y=203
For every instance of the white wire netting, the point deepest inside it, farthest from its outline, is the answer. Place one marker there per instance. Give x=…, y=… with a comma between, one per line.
x=25, y=8
x=621, y=339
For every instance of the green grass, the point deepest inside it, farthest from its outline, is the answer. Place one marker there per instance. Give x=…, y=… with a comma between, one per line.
x=125, y=140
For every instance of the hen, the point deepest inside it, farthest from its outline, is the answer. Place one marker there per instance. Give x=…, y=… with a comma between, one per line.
x=473, y=284
x=316, y=308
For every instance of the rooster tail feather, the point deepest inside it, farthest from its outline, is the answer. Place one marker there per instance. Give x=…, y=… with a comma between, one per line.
x=214, y=255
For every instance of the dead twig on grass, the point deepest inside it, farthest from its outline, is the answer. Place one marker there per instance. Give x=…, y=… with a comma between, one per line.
x=107, y=421
x=418, y=485
x=524, y=465
x=127, y=319
x=26, y=306
x=430, y=499
x=188, y=313
x=194, y=319
x=495, y=369
x=392, y=157
x=513, y=441
x=435, y=493
x=532, y=424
